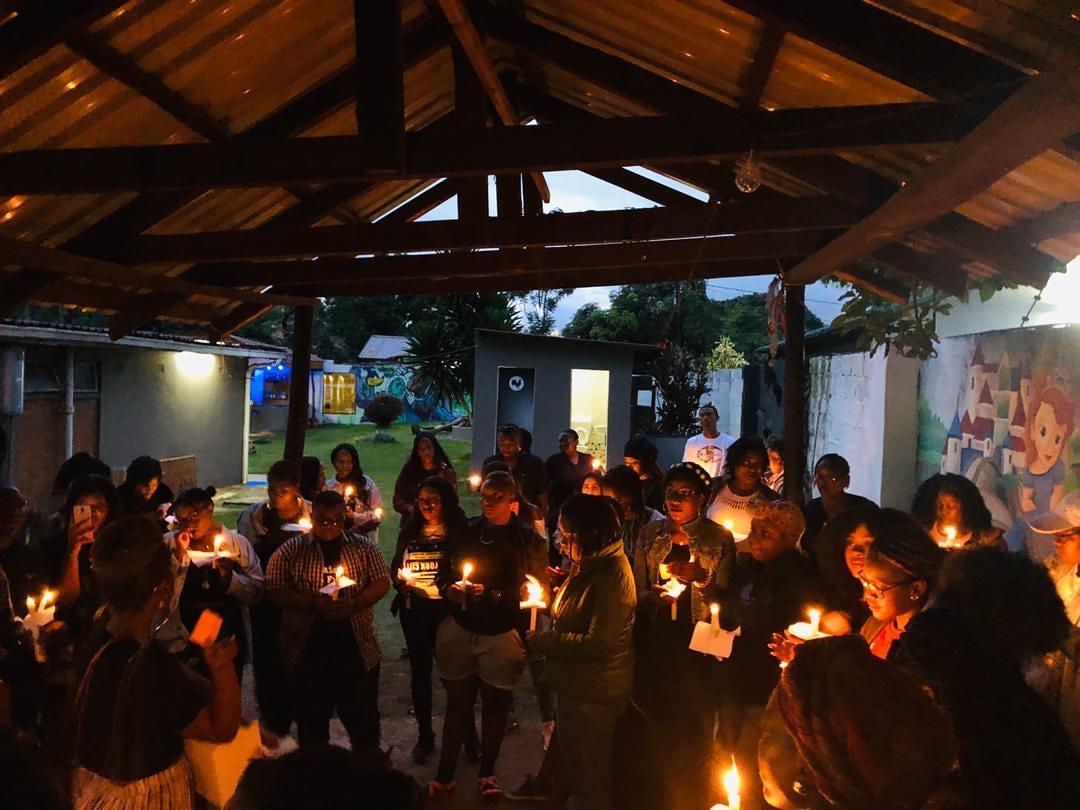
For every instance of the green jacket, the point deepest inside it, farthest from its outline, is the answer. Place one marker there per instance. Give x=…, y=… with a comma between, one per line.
x=589, y=648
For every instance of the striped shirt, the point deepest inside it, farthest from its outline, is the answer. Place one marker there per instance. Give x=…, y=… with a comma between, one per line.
x=299, y=565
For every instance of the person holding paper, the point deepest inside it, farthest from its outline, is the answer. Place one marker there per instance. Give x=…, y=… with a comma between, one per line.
x=328, y=641
x=589, y=655
x=479, y=647
x=674, y=686
x=421, y=548
x=214, y=569
x=136, y=703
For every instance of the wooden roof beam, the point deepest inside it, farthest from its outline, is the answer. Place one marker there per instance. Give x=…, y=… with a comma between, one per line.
x=1035, y=118
x=1060, y=221
x=756, y=77
x=645, y=187
x=473, y=46
x=380, y=91
x=591, y=227
x=601, y=143
x=127, y=71
x=513, y=260
x=41, y=26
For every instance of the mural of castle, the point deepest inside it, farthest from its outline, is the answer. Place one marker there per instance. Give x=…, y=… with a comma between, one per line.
x=991, y=419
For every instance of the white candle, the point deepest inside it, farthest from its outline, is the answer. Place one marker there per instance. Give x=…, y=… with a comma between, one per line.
x=815, y=619
x=714, y=609
x=731, y=787
x=466, y=572
x=407, y=576
x=339, y=573
x=219, y=541
x=535, y=599
x=808, y=630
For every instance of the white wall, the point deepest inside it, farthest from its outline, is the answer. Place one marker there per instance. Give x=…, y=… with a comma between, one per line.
x=864, y=408
x=726, y=393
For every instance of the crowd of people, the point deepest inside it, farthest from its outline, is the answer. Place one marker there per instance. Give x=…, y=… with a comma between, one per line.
x=854, y=656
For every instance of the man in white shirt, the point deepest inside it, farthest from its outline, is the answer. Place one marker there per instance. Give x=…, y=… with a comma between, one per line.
x=709, y=447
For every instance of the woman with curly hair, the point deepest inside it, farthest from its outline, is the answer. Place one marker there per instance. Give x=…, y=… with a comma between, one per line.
x=952, y=511
x=426, y=459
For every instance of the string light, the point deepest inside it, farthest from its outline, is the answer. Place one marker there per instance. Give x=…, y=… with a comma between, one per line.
x=747, y=176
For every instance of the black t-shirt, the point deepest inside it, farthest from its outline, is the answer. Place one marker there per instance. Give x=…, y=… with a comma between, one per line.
x=565, y=477
x=132, y=727
x=529, y=473
x=330, y=643
x=25, y=573
x=134, y=504
x=817, y=522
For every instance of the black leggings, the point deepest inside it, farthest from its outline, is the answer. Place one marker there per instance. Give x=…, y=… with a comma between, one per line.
x=420, y=623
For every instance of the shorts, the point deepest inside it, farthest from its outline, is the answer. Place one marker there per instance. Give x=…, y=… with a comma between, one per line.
x=498, y=660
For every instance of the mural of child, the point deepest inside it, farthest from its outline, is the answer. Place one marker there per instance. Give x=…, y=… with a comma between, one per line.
x=1049, y=429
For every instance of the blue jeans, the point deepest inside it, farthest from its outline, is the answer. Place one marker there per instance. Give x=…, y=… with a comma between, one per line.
x=586, y=736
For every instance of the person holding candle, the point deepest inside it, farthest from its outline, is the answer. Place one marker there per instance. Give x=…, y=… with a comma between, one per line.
x=622, y=485
x=773, y=587
x=479, y=647
x=589, y=659
x=741, y=492
x=994, y=614
x=639, y=454
x=362, y=499
x=421, y=548
x=228, y=584
x=268, y=525
x=136, y=703
x=565, y=471
x=328, y=642
x=427, y=459
x=952, y=510
x=673, y=685
x=527, y=469
x=832, y=477
x=23, y=565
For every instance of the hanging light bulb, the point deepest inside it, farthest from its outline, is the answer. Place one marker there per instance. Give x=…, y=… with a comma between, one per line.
x=747, y=177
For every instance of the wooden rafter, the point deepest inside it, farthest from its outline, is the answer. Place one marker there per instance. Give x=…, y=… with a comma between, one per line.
x=645, y=187
x=600, y=143
x=380, y=90
x=40, y=26
x=1035, y=118
x=752, y=84
x=28, y=254
x=475, y=51
x=505, y=262
x=1064, y=219
x=745, y=216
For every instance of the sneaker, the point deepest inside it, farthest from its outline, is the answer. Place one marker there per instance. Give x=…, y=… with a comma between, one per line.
x=490, y=790
x=423, y=750
x=435, y=788
x=548, y=730
x=531, y=790
x=512, y=723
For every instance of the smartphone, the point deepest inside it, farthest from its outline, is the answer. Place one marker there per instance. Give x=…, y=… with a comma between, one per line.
x=82, y=514
x=206, y=629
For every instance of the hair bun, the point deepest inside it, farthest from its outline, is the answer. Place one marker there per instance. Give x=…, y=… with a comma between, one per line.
x=210, y=491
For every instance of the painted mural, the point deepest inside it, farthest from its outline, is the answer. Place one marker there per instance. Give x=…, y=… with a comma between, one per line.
x=393, y=379
x=1001, y=409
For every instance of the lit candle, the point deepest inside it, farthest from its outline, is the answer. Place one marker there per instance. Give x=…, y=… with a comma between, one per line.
x=731, y=787
x=466, y=572
x=219, y=541
x=535, y=600
x=808, y=630
x=950, y=536
x=349, y=491
x=729, y=524
x=475, y=480
x=406, y=575
x=597, y=464
x=305, y=524
x=339, y=575
x=672, y=587
x=378, y=512
x=714, y=609
x=40, y=612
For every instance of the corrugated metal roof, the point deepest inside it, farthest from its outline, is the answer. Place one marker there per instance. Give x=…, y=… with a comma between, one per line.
x=384, y=347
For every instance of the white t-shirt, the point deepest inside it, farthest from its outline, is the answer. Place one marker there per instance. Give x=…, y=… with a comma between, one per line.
x=709, y=453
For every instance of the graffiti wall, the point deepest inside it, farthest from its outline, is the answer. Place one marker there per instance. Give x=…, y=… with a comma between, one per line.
x=1001, y=409
x=393, y=379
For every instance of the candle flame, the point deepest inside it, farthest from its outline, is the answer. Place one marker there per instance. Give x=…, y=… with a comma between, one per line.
x=475, y=480
x=535, y=593
x=664, y=572
x=218, y=542
x=714, y=609
x=31, y=603
x=950, y=535
x=406, y=574
x=47, y=598
x=729, y=524
x=466, y=571
x=815, y=618
x=597, y=464
x=378, y=512
x=339, y=572
x=349, y=492
x=304, y=523
x=731, y=785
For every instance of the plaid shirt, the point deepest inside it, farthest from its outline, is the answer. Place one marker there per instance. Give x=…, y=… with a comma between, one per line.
x=299, y=565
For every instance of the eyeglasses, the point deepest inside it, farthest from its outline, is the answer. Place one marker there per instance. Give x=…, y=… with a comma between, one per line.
x=878, y=591
x=329, y=523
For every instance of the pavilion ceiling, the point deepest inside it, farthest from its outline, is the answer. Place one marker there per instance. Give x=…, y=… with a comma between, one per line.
x=173, y=159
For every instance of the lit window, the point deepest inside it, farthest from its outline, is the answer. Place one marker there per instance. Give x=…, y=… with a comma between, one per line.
x=589, y=410
x=339, y=393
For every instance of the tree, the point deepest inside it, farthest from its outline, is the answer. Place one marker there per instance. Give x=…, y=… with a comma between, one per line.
x=910, y=328
x=682, y=380
x=538, y=307
x=591, y=322
x=725, y=355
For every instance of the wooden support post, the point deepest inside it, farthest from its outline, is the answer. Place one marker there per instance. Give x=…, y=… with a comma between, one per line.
x=470, y=112
x=508, y=195
x=299, y=382
x=532, y=204
x=795, y=393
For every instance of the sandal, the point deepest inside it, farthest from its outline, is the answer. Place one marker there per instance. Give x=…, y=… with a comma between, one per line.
x=435, y=788
x=489, y=788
